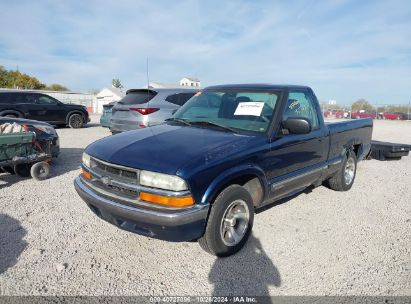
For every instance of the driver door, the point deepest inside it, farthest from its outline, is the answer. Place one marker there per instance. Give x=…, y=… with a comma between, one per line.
x=49, y=109
x=298, y=159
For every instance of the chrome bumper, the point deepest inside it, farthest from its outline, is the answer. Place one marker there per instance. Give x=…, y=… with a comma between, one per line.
x=177, y=224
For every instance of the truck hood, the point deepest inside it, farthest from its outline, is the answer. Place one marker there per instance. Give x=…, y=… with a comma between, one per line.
x=166, y=148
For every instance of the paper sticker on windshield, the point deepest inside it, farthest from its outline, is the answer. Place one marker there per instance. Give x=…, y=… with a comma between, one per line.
x=249, y=108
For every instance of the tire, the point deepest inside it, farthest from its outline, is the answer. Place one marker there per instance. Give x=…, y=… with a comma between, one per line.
x=76, y=121
x=40, y=171
x=22, y=170
x=344, y=178
x=218, y=238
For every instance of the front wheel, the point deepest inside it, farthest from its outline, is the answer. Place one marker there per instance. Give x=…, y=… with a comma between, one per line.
x=40, y=171
x=230, y=222
x=76, y=121
x=343, y=179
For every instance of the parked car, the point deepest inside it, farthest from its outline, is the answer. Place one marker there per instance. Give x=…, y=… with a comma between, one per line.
x=392, y=116
x=340, y=114
x=41, y=107
x=336, y=114
x=405, y=116
x=107, y=114
x=228, y=151
x=356, y=115
x=142, y=108
x=44, y=131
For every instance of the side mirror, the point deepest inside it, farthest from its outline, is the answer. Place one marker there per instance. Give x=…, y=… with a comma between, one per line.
x=297, y=125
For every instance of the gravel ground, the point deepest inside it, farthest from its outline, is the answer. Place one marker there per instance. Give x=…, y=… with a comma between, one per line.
x=318, y=243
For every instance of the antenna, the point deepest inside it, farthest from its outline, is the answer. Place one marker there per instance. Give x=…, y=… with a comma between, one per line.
x=148, y=75
x=148, y=88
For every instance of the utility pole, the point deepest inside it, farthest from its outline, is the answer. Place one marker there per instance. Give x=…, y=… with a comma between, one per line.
x=408, y=116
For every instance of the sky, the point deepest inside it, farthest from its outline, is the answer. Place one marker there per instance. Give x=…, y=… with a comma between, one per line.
x=344, y=50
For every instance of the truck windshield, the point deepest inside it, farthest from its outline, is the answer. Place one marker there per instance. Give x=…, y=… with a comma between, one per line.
x=241, y=110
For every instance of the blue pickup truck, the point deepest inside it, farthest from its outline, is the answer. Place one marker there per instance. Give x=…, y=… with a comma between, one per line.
x=230, y=150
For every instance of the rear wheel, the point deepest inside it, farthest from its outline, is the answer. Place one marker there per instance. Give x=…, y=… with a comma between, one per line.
x=230, y=222
x=76, y=121
x=344, y=178
x=40, y=171
x=22, y=170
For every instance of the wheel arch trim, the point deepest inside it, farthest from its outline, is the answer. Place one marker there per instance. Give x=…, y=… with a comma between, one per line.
x=227, y=177
x=11, y=111
x=75, y=112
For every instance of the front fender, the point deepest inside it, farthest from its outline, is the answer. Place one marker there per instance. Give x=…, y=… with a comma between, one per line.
x=226, y=177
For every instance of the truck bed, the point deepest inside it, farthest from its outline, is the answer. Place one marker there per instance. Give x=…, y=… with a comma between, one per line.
x=348, y=133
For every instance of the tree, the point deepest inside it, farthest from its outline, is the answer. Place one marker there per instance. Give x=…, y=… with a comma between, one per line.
x=116, y=83
x=24, y=81
x=3, y=77
x=362, y=104
x=56, y=87
x=15, y=79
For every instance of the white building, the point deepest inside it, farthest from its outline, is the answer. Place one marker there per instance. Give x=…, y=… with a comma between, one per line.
x=106, y=96
x=190, y=81
x=162, y=85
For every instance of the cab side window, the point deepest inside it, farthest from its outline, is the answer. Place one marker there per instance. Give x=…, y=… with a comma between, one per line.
x=300, y=104
x=45, y=100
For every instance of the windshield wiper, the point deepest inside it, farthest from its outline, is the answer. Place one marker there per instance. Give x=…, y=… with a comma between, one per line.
x=180, y=120
x=209, y=123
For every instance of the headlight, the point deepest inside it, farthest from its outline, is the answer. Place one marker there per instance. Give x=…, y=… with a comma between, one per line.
x=86, y=159
x=162, y=181
x=45, y=129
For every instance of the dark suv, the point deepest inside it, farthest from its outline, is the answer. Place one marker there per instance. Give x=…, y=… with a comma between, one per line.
x=38, y=106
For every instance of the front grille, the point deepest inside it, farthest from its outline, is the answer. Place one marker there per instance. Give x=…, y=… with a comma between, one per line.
x=117, y=173
x=115, y=181
x=115, y=191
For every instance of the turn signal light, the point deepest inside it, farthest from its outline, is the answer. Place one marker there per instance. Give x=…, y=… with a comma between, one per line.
x=145, y=111
x=86, y=174
x=166, y=200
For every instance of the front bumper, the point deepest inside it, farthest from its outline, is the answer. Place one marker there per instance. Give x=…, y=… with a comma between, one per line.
x=177, y=225
x=105, y=121
x=116, y=127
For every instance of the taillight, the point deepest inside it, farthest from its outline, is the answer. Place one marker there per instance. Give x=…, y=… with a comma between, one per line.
x=145, y=111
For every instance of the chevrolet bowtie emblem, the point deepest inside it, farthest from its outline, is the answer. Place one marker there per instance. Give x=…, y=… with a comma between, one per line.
x=106, y=180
